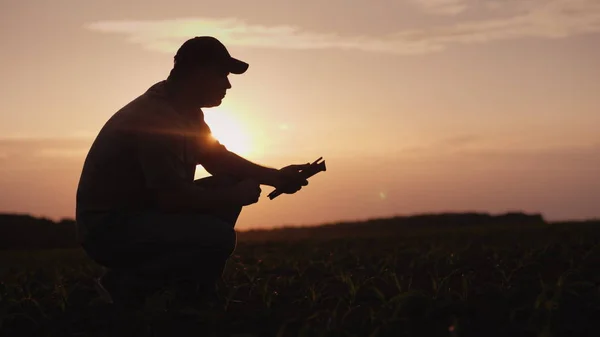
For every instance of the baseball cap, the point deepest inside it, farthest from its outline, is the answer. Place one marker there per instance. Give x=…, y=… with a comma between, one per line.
x=206, y=50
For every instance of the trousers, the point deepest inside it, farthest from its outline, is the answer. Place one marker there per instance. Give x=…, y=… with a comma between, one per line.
x=191, y=244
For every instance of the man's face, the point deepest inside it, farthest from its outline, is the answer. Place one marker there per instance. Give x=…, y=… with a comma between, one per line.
x=207, y=85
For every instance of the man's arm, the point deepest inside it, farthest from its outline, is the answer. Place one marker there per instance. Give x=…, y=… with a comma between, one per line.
x=227, y=162
x=165, y=176
x=287, y=179
x=216, y=159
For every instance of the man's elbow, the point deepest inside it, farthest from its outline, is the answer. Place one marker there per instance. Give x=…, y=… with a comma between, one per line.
x=215, y=170
x=215, y=165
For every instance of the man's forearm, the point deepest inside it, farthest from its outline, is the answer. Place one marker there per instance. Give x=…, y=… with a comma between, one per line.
x=241, y=168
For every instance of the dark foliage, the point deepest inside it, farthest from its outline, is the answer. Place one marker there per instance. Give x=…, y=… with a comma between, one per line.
x=26, y=232
x=501, y=279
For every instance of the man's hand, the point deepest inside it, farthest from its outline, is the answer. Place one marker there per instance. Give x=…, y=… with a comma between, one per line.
x=289, y=179
x=246, y=192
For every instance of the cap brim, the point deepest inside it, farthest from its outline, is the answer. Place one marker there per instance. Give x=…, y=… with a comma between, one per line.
x=237, y=67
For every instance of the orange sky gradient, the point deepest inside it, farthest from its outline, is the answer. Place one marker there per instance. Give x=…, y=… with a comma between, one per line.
x=416, y=105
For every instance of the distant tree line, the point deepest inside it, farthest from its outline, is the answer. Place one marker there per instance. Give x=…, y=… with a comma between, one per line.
x=19, y=231
x=27, y=232
x=399, y=225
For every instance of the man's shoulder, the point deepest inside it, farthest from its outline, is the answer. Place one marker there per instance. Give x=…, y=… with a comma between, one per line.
x=150, y=108
x=152, y=101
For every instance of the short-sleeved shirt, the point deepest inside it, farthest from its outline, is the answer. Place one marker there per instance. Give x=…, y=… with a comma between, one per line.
x=146, y=145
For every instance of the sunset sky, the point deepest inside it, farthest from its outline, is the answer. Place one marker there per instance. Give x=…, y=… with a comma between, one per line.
x=416, y=105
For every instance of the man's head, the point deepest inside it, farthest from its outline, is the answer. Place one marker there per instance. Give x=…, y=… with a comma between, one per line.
x=201, y=69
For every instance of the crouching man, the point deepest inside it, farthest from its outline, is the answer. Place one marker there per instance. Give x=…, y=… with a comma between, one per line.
x=140, y=213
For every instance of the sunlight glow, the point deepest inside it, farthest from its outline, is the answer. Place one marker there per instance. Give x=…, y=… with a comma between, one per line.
x=229, y=131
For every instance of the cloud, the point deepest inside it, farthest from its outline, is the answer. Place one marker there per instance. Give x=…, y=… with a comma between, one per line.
x=489, y=149
x=30, y=153
x=462, y=140
x=545, y=19
x=61, y=153
x=442, y=7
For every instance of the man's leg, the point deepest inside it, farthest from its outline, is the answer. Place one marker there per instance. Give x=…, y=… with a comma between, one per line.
x=157, y=249
x=229, y=214
x=156, y=245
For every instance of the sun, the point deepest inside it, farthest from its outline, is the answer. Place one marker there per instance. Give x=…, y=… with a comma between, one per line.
x=228, y=131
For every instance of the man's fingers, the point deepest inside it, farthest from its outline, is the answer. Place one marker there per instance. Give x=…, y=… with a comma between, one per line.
x=299, y=167
x=301, y=181
x=296, y=187
x=298, y=181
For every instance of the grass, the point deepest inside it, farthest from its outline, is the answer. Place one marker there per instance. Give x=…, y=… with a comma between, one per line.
x=541, y=280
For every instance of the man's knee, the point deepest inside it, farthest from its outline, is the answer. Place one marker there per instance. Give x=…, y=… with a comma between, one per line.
x=227, y=214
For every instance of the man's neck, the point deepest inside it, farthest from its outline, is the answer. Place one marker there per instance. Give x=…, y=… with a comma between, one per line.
x=178, y=100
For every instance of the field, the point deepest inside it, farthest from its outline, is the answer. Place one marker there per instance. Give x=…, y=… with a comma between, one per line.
x=530, y=280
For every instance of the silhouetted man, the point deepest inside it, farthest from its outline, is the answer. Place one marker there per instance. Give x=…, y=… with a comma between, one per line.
x=140, y=213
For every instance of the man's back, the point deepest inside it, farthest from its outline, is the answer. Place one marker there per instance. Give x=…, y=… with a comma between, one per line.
x=114, y=177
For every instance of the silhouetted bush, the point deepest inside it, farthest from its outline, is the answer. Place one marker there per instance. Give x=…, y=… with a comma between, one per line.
x=19, y=231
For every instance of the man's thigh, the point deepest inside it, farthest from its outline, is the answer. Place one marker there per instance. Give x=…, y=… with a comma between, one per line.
x=135, y=238
x=228, y=213
x=179, y=228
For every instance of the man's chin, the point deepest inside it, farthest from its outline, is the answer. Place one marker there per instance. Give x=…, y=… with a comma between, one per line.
x=213, y=103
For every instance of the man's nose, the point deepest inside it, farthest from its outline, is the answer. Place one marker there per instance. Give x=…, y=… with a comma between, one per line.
x=227, y=83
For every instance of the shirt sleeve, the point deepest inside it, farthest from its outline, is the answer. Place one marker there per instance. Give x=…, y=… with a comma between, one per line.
x=207, y=146
x=162, y=159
